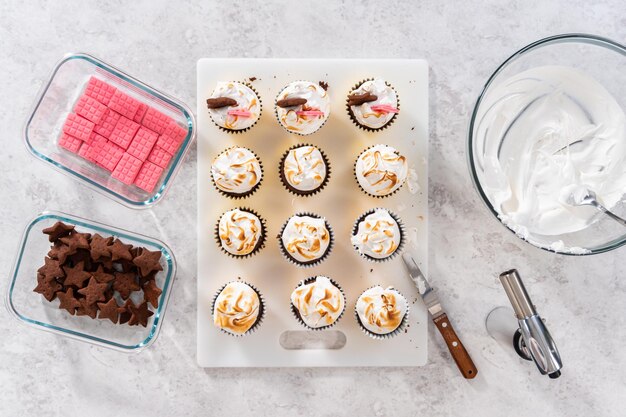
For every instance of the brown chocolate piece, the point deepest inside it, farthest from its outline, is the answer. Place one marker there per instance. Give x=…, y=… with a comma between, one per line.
x=120, y=250
x=291, y=102
x=252, y=79
x=125, y=312
x=76, y=275
x=125, y=283
x=81, y=255
x=93, y=292
x=151, y=293
x=47, y=288
x=219, y=102
x=358, y=99
x=110, y=310
x=86, y=309
x=76, y=240
x=57, y=230
x=150, y=277
x=100, y=247
x=139, y=314
x=51, y=269
x=60, y=252
x=101, y=276
x=324, y=85
x=68, y=301
x=148, y=261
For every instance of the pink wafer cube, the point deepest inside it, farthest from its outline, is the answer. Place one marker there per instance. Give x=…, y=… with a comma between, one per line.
x=99, y=90
x=127, y=169
x=141, y=111
x=85, y=152
x=155, y=120
x=148, y=176
x=107, y=124
x=90, y=108
x=124, y=132
x=95, y=138
x=159, y=156
x=124, y=104
x=168, y=144
x=174, y=131
x=96, y=146
x=142, y=143
x=70, y=143
x=78, y=127
x=107, y=155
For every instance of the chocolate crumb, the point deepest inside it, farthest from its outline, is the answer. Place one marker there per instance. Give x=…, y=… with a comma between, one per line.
x=324, y=85
x=413, y=128
x=252, y=79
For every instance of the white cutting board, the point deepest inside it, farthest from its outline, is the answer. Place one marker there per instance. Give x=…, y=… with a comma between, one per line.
x=341, y=202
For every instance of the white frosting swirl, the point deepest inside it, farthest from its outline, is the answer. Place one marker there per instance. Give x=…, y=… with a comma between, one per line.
x=236, y=308
x=239, y=232
x=386, y=95
x=305, y=238
x=319, y=303
x=317, y=99
x=381, y=310
x=246, y=100
x=378, y=235
x=381, y=170
x=304, y=168
x=236, y=170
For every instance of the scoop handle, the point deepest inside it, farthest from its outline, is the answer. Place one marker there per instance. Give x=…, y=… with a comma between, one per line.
x=457, y=350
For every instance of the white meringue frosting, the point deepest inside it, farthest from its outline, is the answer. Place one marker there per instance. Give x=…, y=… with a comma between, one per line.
x=236, y=308
x=381, y=169
x=239, y=232
x=381, y=310
x=304, y=168
x=316, y=99
x=305, y=238
x=319, y=303
x=378, y=235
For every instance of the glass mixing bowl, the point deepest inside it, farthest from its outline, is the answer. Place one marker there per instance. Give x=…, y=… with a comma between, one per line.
x=605, y=62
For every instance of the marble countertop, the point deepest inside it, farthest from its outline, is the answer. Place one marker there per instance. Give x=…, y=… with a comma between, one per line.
x=581, y=298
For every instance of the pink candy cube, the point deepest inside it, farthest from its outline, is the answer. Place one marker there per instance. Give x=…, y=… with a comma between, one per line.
x=90, y=108
x=141, y=111
x=127, y=169
x=168, y=144
x=124, y=104
x=155, y=120
x=70, y=143
x=85, y=152
x=107, y=124
x=106, y=154
x=148, y=176
x=142, y=143
x=78, y=127
x=124, y=132
x=159, y=156
x=99, y=90
x=174, y=131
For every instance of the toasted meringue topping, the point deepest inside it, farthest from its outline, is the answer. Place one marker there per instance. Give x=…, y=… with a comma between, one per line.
x=381, y=170
x=381, y=310
x=236, y=308
x=386, y=96
x=319, y=303
x=304, y=168
x=247, y=101
x=306, y=238
x=236, y=170
x=305, y=118
x=378, y=235
x=239, y=231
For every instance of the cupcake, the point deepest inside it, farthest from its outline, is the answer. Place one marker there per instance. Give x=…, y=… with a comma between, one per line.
x=240, y=232
x=381, y=170
x=318, y=302
x=237, y=308
x=302, y=107
x=234, y=107
x=373, y=104
x=306, y=239
x=304, y=170
x=236, y=172
x=381, y=312
x=378, y=235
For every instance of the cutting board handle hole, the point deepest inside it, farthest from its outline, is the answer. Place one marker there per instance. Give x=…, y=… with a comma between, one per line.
x=311, y=339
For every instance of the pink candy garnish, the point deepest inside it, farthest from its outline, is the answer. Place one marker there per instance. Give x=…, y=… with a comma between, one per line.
x=239, y=113
x=310, y=113
x=384, y=108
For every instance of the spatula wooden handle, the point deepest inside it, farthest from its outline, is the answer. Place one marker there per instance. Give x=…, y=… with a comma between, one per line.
x=460, y=355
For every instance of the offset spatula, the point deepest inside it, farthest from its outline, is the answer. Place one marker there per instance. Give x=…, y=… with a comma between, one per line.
x=457, y=350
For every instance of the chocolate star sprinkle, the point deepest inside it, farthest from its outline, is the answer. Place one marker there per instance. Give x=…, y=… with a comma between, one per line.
x=68, y=301
x=125, y=283
x=110, y=310
x=101, y=276
x=100, y=246
x=93, y=292
x=77, y=240
x=51, y=269
x=148, y=261
x=125, y=312
x=57, y=230
x=151, y=293
x=60, y=252
x=139, y=314
x=120, y=251
x=47, y=288
x=76, y=275
x=86, y=309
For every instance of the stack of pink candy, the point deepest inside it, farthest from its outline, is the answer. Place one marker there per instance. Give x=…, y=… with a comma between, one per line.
x=132, y=140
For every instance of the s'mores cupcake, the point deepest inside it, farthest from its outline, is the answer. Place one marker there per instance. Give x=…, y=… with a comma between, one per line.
x=237, y=172
x=234, y=107
x=381, y=312
x=237, y=308
x=305, y=239
x=302, y=107
x=381, y=170
x=240, y=232
x=378, y=235
x=373, y=104
x=318, y=302
x=304, y=170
